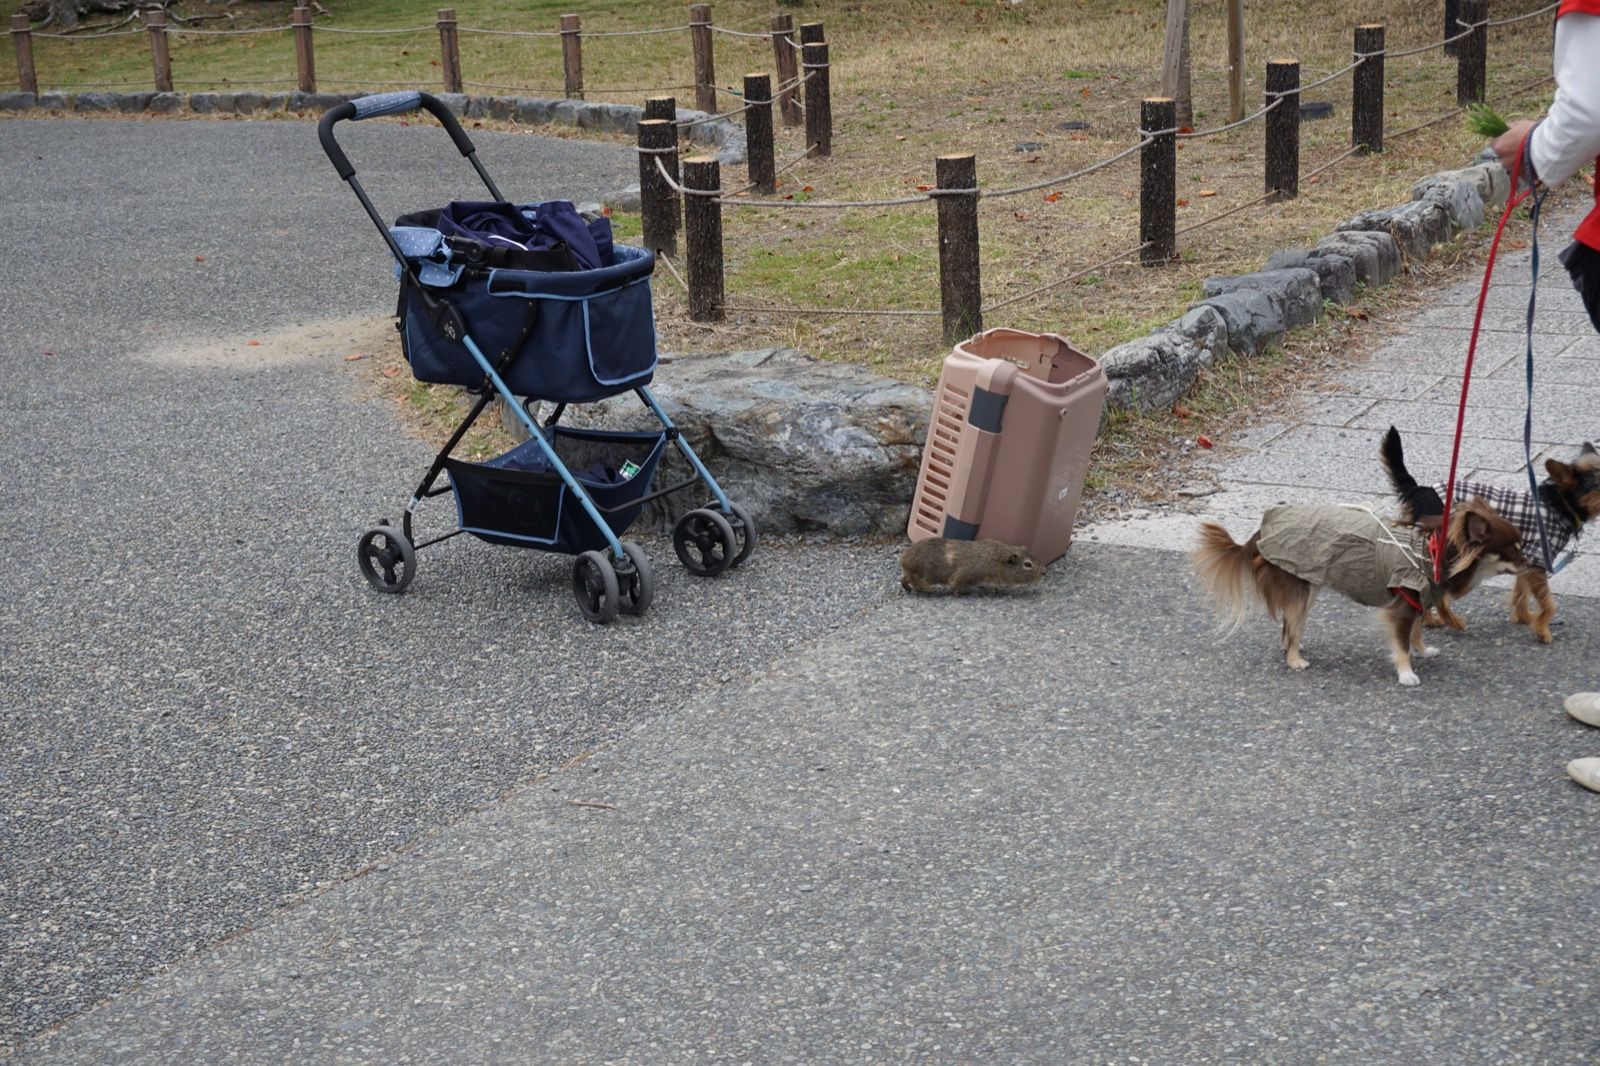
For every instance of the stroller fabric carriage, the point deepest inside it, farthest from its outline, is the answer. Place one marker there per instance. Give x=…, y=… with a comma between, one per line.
x=564, y=317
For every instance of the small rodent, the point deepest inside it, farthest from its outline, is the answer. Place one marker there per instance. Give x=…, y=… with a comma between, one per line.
x=959, y=565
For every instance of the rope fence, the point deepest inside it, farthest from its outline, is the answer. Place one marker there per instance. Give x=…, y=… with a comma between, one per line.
x=688, y=195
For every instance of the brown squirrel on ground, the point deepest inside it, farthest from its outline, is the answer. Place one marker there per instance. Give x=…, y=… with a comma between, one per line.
x=960, y=565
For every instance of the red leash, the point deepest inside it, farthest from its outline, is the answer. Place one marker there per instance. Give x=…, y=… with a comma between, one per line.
x=1512, y=200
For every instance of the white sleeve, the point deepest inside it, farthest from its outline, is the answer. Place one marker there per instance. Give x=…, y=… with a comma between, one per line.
x=1569, y=136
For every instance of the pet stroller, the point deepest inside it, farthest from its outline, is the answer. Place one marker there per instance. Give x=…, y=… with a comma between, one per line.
x=550, y=326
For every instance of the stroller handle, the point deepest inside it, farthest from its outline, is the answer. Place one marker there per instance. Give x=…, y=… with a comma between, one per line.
x=387, y=104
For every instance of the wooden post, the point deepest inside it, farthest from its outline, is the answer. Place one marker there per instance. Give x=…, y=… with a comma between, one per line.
x=1452, y=13
x=1158, y=181
x=304, y=59
x=449, y=50
x=658, y=201
x=663, y=107
x=572, y=55
x=1235, y=60
x=819, y=100
x=812, y=33
x=160, y=54
x=702, y=230
x=705, y=68
x=1175, y=61
x=784, y=63
x=1472, y=59
x=960, y=291
x=1283, y=129
x=758, y=132
x=22, y=37
x=1366, y=102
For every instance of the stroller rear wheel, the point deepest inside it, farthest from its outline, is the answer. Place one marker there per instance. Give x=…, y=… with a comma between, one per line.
x=386, y=558
x=594, y=583
x=704, y=542
x=636, y=582
x=744, y=531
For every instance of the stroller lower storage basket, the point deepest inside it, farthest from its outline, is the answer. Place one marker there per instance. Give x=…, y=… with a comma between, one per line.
x=517, y=498
x=593, y=332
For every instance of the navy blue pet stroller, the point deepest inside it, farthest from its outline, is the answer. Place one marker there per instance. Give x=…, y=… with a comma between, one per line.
x=551, y=322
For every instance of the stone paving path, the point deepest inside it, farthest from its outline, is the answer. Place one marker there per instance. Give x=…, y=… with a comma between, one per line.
x=1322, y=447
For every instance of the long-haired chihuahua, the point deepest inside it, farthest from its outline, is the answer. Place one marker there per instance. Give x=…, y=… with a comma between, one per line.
x=1299, y=550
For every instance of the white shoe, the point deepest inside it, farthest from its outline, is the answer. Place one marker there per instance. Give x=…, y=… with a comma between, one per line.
x=1585, y=772
x=1585, y=707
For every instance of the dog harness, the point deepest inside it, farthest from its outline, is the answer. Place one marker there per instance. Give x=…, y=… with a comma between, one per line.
x=1352, y=550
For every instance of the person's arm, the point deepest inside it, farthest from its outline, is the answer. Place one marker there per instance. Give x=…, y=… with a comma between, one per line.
x=1569, y=136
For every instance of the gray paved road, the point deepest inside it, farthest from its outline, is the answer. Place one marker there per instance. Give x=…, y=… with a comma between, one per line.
x=1063, y=827
x=206, y=714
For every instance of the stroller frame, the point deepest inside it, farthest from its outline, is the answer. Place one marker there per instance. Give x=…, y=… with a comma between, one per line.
x=708, y=540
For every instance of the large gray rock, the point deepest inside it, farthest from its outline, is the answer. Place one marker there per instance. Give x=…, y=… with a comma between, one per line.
x=1375, y=254
x=1489, y=180
x=312, y=101
x=565, y=112
x=1416, y=226
x=17, y=101
x=166, y=103
x=455, y=102
x=1152, y=373
x=208, y=103
x=52, y=101
x=1254, y=318
x=1336, y=272
x=1457, y=196
x=625, y=200
x=532, y=112
x=801, y=444
x=134, y=103
x=95, y=102
x=1297, y=290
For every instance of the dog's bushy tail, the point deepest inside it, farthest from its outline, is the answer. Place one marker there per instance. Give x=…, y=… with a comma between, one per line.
x=1227, y=572
x=1419, y=504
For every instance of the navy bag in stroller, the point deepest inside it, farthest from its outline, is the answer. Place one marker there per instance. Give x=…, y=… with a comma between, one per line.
x=530, y=300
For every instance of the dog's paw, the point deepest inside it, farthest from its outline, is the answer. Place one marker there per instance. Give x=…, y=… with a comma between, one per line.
x=1410, y=679
x=1428, y=651
x=1298, y=663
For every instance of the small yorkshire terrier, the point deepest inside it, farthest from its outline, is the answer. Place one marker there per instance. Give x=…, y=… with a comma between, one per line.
x=1299, y=550
x=1569, y=497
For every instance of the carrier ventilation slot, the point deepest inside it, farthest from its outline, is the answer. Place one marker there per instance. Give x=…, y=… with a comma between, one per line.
x=944, y=436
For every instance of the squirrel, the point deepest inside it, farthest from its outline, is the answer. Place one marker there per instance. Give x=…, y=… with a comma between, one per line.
x=959, y=565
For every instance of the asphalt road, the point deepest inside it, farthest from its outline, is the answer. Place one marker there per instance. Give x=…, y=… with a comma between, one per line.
x=822, y=822
x=206, y=713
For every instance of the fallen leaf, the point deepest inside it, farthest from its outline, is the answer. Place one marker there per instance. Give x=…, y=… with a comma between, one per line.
x=391, y=371
x=1203, y=440
x=805, y=188
x=606, y=211
x=199, y=259
x=899, y=136
x=1208, y=192
x=49, y=355
x=1516, y=245
x=1185, y=129
x=353, y=358
x=1315, y=179
x=254, y=344
x=1183, y=203
x=924, y=188
x=1356, y=312
x=1051, y=197
x=1182, y=411
x=1020, y=216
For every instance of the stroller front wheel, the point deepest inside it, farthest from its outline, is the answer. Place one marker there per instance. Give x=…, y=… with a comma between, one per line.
x=594, y=584
x=636, y=581
x=744, y=531
x=386, y=558
x=704, y=542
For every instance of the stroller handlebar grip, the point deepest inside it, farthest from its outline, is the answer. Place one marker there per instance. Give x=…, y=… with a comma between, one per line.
x=386, y=104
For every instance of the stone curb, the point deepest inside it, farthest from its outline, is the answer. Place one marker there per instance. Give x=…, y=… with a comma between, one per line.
x=1248, y=313
x=725, y=138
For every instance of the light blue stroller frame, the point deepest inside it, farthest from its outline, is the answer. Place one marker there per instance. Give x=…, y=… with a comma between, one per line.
x=504, y=324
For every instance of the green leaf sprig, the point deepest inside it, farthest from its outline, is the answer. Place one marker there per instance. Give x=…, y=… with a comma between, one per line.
x=1482, y=120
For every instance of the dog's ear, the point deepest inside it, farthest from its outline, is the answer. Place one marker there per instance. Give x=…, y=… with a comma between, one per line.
x=1477, y=528
x=1561, y=474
